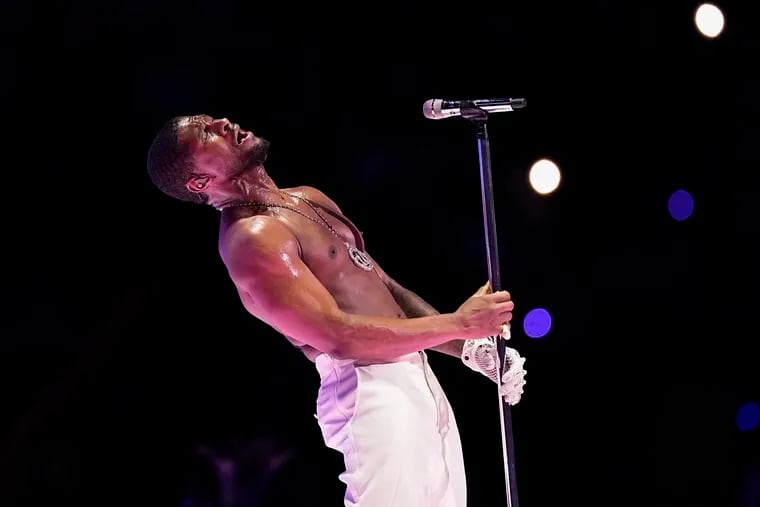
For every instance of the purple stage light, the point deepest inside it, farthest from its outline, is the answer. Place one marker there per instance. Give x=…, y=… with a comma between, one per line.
x=748, y=416
x=537, y=323
x=681, y=205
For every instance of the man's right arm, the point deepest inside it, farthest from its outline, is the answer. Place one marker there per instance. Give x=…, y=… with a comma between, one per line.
x=263, y=259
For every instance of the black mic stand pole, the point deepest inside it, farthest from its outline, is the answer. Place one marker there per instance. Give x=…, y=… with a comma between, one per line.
x=479, y=118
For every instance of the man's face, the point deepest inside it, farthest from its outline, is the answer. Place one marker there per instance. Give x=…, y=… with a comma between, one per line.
x=219, y=147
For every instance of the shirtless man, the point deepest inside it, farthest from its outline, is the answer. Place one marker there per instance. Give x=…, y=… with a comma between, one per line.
x=301, y=266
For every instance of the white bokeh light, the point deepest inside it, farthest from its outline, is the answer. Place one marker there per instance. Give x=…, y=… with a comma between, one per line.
x=544, y=176
x=709, y=20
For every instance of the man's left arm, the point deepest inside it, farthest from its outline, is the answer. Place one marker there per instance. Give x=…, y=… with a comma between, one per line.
x=481, y=355
x=513, y=377
x=414, y=306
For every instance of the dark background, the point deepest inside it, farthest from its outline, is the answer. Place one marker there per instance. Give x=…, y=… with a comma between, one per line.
x=125, y=350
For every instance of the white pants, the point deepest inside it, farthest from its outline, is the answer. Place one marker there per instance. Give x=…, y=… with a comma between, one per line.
x=396, y=431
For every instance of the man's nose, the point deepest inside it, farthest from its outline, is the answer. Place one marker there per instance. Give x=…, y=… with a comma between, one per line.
x=222, y=125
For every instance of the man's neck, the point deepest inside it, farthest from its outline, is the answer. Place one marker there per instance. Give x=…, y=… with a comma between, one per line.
x=254, y=185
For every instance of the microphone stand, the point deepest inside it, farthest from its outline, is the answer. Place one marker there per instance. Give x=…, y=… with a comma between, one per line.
x=479, y=117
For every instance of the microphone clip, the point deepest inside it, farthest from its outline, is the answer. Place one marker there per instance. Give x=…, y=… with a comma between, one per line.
x=470, y=111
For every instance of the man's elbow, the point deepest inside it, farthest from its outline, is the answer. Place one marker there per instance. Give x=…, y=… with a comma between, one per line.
x=343, y=345
x=347, y=339
x=337, y=337
x=350, y=340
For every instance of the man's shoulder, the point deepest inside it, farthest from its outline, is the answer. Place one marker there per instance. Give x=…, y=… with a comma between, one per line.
x=256, y=245
x=259, y=232
x=315, y=195
x=257, y=227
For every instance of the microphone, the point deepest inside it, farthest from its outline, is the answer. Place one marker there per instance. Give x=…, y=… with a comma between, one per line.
x=437, y=109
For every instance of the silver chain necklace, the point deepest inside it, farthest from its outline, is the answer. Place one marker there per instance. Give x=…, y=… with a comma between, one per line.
x=359, y=258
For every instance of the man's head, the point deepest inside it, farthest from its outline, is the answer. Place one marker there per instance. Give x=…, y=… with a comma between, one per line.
x=191, y=154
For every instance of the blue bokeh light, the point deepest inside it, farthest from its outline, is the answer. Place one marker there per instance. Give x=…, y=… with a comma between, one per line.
x=681, y=205
x=537, y=323
x=748, y=416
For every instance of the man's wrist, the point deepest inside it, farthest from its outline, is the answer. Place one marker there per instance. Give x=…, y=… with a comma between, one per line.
x=452, y=348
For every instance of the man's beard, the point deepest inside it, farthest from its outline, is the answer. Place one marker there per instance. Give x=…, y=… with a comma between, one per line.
x=258, y=153
x=254, y=158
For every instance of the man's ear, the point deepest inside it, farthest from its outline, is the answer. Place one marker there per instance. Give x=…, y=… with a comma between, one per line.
x=198, y=183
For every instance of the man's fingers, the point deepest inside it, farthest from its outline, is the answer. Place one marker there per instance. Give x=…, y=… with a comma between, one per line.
x=485, y=289
x=501, y=296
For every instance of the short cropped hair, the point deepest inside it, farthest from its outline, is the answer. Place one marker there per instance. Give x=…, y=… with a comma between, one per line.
x=170, y=164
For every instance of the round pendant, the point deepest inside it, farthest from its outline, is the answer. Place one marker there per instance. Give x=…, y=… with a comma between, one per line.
x=359, y=258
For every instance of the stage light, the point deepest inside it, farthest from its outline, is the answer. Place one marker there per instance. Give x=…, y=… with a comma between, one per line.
x=748, y=416
x=537, y=323
x=709, y=20
x=544, y=176
x=680, y=205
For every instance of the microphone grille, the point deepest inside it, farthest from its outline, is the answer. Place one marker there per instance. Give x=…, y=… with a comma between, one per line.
x=431, y=109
